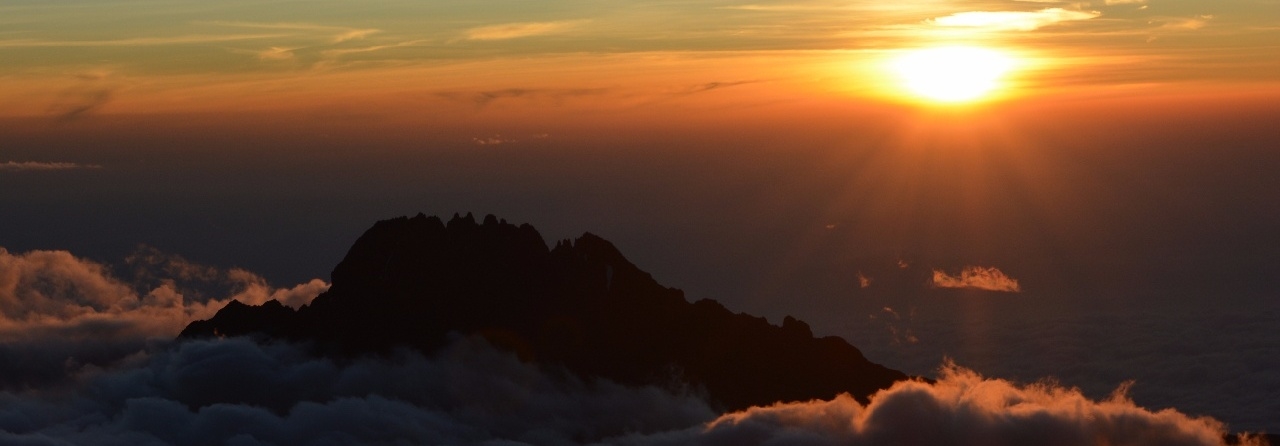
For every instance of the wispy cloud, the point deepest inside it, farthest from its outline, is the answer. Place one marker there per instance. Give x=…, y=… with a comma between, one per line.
x=492, y=140
x=43, y=166
x=1186, y=23
x=136, y=41
x=368, y=49
x=978, y=278
x=337, y=34
x=483, y=98
x=1011, y=20
x=519, y=30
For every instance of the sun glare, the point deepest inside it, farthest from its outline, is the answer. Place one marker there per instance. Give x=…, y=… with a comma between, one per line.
x=954, y=74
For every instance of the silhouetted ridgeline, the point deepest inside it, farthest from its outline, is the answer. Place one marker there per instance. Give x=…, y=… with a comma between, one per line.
x=411, y=281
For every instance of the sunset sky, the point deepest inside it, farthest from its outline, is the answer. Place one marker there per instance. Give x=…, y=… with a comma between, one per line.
x=70, y=58
x=1088, y=191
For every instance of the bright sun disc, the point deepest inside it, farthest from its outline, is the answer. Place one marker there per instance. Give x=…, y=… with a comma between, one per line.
x=952, y=74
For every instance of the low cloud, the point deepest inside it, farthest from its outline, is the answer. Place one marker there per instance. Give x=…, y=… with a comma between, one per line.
x=43, y=166
x=978, y=278
x=1011, y=20
x=234, y=391
x=520, y=30
x=59, y=313
x=88, y=359
x=962, y=408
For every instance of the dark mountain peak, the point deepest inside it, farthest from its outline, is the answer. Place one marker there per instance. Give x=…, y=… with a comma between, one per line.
x=582, y=304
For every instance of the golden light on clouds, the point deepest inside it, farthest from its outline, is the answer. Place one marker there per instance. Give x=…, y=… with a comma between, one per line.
x=952, y=74
x=977, y=278
x=1012, y=20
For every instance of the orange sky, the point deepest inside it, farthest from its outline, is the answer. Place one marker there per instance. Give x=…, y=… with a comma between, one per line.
x=570, y=57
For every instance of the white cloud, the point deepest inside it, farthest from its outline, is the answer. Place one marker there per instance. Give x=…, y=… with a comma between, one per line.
x=1011, y=20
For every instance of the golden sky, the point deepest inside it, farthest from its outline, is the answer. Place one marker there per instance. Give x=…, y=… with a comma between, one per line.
x=71, y=59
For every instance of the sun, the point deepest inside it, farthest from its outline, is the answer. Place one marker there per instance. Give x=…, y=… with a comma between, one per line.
x=952, y=74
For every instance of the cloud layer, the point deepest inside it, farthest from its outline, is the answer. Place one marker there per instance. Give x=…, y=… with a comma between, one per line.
x=60, y=313
x=86, y=358
x=962, y=408
x=235, y=391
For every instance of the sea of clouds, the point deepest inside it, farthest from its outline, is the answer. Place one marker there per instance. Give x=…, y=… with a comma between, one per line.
x=88, y=358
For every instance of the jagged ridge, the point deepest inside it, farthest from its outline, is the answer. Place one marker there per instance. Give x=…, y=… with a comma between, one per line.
x=411, y=281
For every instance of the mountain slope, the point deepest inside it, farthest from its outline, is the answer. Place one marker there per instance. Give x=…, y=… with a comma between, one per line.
x=581, y=304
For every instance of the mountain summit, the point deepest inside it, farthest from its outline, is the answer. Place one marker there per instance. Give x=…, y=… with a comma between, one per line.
x=409, y=282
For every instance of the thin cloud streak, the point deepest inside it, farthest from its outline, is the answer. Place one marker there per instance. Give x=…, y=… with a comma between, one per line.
x=137, y=41
x=339, y=33
x=16, y=166
x=1012, y=20
x=520, y=30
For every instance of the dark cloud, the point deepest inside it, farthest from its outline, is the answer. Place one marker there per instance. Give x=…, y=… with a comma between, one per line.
x=77, y=104
x=234, y=391
x=715, y=86
x=483, y=98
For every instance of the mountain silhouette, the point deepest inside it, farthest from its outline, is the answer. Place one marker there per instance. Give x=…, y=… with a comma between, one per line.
x=410, y=282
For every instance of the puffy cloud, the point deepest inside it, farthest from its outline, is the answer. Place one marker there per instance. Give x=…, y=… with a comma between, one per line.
x=962, y=408
x=978, y=278
x=60, y=313
x=1012, y=20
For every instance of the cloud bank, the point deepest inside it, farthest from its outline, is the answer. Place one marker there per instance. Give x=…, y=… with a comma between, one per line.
x=977, y=278
x=235, y=391
x=60, y=313
x=962, y=408
x=86, y=358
